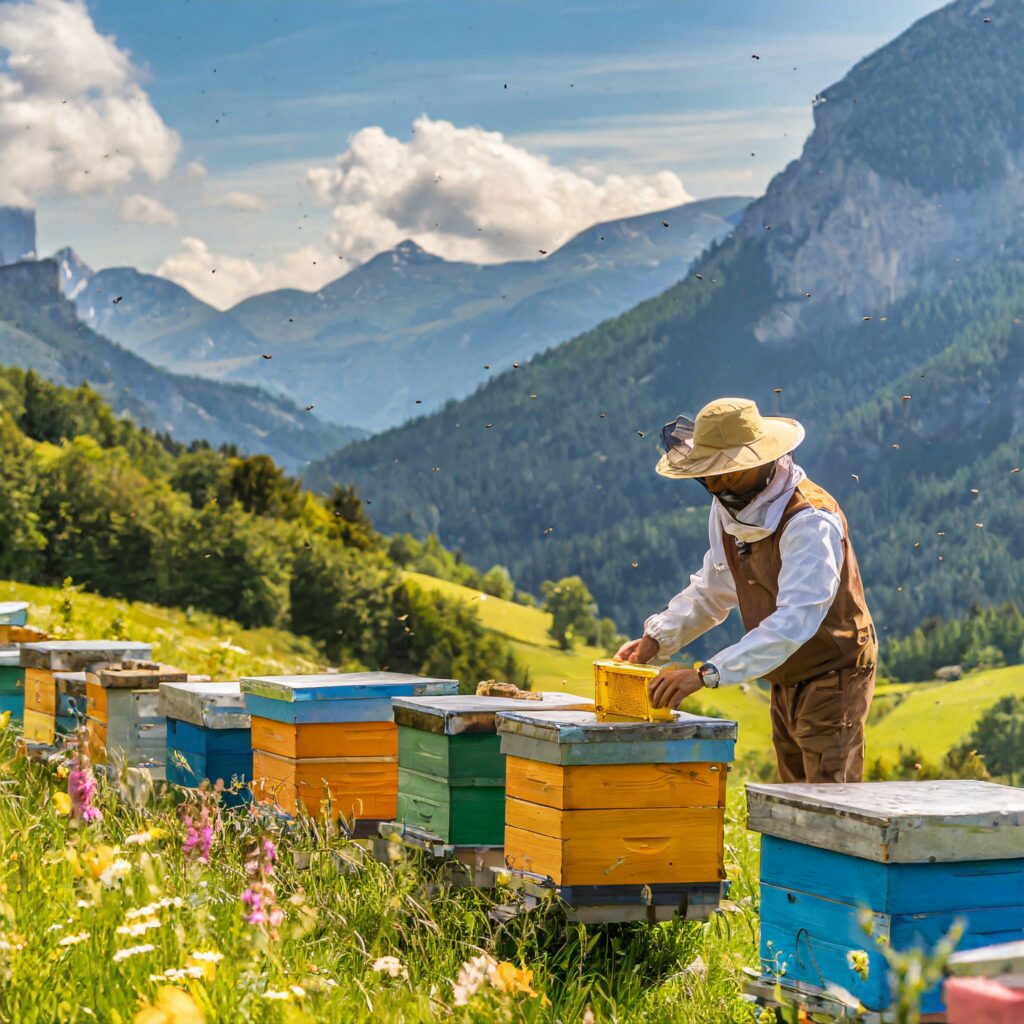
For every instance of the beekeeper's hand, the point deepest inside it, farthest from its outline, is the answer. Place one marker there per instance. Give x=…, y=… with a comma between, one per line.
x=638, y=651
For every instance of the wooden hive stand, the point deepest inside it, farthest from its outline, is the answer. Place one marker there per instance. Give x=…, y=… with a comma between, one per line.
x=41, y=661
x=328, y=743
x=621, y=820
x=124, y=721
x=451, y=777
x=209, y=736
x=903, y=859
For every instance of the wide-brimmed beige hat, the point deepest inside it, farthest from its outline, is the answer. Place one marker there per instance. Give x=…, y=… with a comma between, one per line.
x=728, y=436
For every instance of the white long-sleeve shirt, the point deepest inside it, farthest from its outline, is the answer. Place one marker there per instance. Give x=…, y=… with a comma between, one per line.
x=812, y=559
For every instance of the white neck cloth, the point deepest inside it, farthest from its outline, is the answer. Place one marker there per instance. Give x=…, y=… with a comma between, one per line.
x=761, y=517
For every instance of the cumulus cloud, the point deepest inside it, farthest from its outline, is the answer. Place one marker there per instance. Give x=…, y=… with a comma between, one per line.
x=241, y=202
x=73, y=116
x=470, y=194
x=140, y=209
x=196, y=171
x=223, y=280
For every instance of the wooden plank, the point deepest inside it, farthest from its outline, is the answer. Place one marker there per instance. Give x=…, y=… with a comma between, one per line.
x=346, y=686
x=455, y=714
x=357, y=789
x=464, y=757
x=891, y=888
x=694, y=856
x=76, y=655
x=11, y=634
x=572, y=727
x=627, y=752
x=895, y=822
x=96, y=740
x=618, y=785
x=372, y=709
x=96, y=701
x=39, y=726
x=40, y=691
x=211, y=705
x=135, y=675
x=328, y=739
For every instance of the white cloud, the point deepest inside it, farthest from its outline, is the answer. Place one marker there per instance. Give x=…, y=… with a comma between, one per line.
x=196, y=170
x=73, y=116
x=469, y=194
x=241, y=202
x=140, y=209
x=223, y=280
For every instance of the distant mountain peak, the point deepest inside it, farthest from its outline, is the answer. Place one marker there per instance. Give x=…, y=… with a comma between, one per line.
x=75, y=273
x=408, y=251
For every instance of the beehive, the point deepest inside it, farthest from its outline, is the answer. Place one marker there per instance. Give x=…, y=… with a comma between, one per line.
x=208, y=736
x=592, y=803
x=987, y=985
x=41, y=660
x=451, y=772
x=330, y=739
x=12, y=682
x=621, y=694
x=13, y=613
x=70, y=706
x=916, y=856
x=124, y=720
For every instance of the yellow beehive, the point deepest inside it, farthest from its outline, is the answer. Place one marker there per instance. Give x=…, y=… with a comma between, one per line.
x=621, y=694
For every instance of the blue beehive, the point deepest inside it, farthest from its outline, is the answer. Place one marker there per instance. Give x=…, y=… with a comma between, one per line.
x=909, y=858
x=208, y=736
x=13, y=613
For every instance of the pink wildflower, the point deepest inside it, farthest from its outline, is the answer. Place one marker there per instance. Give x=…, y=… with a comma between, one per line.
x=82, y=790
x=199, y=834
x=263, y=912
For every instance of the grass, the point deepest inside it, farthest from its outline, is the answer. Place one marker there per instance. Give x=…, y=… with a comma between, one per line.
x=195, y=641
x=63, y=920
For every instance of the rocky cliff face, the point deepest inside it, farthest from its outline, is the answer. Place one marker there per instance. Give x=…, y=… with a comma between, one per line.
x=899, y=186
x=17, y=234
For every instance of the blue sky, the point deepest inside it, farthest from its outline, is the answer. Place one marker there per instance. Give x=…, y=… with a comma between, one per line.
x=260, y=91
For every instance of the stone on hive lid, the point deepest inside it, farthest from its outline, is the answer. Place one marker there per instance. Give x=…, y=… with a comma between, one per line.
x=209, y=705
x=895, y=822
x=345, y=686
x=456, y=714
x=75, y=655
x=136, y=675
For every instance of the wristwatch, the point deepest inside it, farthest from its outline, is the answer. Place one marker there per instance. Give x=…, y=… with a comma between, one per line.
x=709, y=675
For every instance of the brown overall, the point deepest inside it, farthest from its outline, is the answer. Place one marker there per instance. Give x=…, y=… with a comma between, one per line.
x=822, y=692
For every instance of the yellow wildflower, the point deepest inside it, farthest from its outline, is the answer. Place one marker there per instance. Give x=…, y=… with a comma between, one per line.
x=506, y=977
x=99, y=859
x=172, y=1006
x=61, y=803
x=858, y=962
x=5, y=719
x=63, y=771
x=205, y=960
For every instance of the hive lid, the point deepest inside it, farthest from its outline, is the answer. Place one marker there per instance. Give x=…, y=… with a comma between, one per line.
x=895, y=822
x=455, y=714
x=565, y=727
x=1000, y=960
x=346, y=686
x=13, y=613
x=10, y=657
x=209, y=705
x=75, y=655
x=136, y=675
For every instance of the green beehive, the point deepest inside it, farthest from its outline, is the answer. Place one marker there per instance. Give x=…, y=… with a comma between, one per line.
x=451, y=772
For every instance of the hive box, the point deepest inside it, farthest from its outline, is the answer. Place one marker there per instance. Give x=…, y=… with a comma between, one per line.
x=122, y=705
x=329, y=741
x=916, y=855
x=591, y=803
x=12, y=682
x=208, y=735
x=987, y=986
x=13, y=613
x=451, y=772
x=79, y=655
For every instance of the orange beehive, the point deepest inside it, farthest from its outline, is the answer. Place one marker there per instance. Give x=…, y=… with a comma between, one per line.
x=325, y=739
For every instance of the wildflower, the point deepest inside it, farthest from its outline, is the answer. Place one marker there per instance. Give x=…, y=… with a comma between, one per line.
x=12, y=943
x=270, y=994
x=259, y=896
x=82, y=790
x=391, y=966
x=124, y=954
x=199, y=832
x=139, y=927
x=73, y=940
x=178, y=974
x=857, y=959
x=172, y=1006
x=205, y=962
x=472, y=975
x=588, y=1016
x=5, y=719
x=114, y=872
x=151, y=909
x=61, y=803
x=506, y=977
x=141, y=838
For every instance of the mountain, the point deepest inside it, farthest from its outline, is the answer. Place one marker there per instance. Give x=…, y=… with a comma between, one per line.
x=17, y=234
x=407, y=330
x=39, y=330
x=876, y=292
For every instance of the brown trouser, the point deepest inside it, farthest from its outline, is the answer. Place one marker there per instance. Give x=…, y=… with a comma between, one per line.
x=818, y=726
